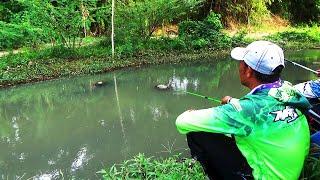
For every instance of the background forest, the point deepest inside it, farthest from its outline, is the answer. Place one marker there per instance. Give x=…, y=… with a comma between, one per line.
x=32, y=23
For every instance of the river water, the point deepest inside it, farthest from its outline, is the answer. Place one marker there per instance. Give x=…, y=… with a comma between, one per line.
x=69, y=128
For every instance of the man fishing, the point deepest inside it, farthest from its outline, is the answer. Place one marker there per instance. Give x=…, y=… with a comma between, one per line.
x=263, y=135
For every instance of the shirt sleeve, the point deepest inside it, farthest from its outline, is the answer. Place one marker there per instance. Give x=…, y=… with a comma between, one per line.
x=227, y=119
x=310, y=89
x=315, y=87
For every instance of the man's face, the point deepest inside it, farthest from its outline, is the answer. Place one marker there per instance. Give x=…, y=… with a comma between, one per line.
x=242, y=73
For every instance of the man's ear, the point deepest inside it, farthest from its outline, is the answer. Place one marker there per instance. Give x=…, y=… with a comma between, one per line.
x=249, y=72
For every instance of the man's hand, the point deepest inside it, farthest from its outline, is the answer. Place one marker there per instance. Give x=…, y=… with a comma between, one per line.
x=226, y=99
x=318, y=72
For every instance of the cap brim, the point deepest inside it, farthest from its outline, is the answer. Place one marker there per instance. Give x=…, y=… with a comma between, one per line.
x=238, y=53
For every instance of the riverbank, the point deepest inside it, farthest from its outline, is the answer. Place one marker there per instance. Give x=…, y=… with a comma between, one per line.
x=32, y=65
x=46, y=69
x=42, y=69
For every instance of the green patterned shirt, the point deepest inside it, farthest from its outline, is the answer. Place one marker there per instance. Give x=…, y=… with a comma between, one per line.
x=269, y=128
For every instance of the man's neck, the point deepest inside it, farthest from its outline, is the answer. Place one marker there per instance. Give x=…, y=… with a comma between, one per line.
x=254, y=85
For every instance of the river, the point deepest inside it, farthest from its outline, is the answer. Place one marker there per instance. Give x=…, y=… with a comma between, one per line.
x=70, y=128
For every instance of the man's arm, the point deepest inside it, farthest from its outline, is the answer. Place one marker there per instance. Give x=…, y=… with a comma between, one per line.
x=224, y=119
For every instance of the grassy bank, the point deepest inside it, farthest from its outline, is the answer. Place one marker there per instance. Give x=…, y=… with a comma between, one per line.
x=33, y=65
x=44, y=69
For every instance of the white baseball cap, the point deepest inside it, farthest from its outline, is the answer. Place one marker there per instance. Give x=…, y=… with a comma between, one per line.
x=262, y=56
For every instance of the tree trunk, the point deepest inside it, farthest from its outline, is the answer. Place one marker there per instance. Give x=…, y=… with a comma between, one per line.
x=84, y=14
x=112, y=28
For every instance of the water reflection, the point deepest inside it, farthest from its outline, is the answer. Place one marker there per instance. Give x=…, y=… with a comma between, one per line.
x=82, y=159
x=125, y=148
x=48, y=176
x=67, y=129
x=15, y=126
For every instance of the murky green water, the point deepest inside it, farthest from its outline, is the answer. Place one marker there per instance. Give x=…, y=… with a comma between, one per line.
x=66, y=128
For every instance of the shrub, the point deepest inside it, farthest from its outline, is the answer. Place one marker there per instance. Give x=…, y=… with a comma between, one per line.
x=206, y=33
x=15, y=36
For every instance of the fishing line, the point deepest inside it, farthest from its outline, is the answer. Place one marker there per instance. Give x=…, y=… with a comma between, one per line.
x=202, y=96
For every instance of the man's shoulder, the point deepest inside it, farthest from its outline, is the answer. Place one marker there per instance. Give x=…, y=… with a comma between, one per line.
x=255, y=98
x=248, y=102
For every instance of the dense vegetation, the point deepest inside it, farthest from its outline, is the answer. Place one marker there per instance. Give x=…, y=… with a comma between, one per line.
x=34, y=23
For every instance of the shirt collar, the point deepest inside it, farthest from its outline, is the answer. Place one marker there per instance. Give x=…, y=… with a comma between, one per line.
x=275, y=84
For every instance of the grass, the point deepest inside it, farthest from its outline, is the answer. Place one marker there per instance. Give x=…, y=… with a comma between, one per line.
x=142, y=167
x=295, y=36
x=279, y=31
x=175, y=167
x=271, y=25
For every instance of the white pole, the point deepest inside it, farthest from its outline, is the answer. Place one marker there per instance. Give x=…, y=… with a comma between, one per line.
x=112, y=27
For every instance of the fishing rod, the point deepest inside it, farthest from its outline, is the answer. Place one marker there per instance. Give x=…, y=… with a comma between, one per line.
x=206, y=97
x=304, y=67
x=311, y=112
x=314, y=115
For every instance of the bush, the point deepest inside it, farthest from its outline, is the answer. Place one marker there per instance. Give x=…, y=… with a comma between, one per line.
x=14, y=60
x=165, y=43
x=206, y=33
x=14, y=36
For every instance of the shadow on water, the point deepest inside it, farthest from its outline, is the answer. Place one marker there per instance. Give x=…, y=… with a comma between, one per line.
x=71, y=128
